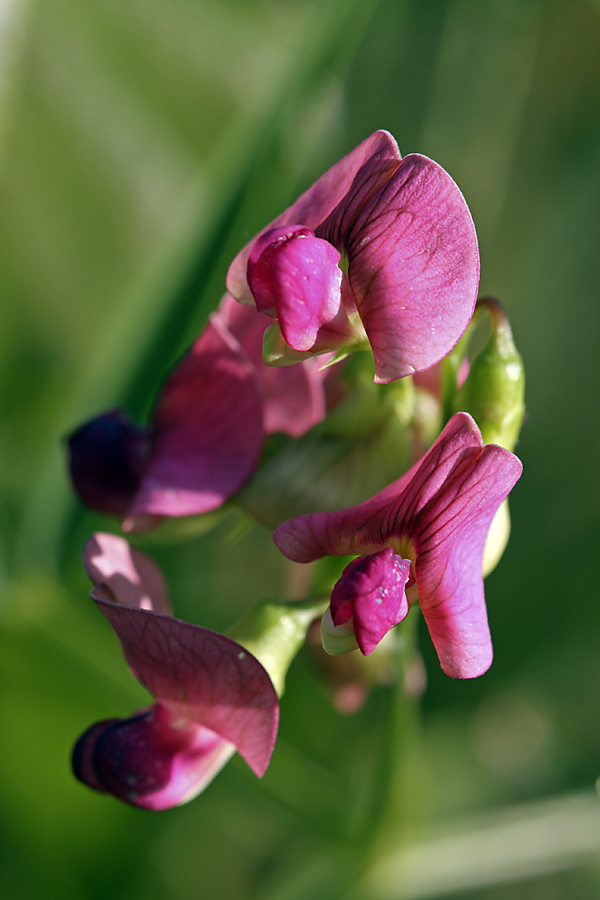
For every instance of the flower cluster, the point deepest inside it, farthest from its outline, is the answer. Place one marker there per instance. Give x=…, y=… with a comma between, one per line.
x=368, y=279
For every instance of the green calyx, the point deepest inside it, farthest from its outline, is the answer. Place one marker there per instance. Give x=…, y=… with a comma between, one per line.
x=274, y=632
x=494, y=390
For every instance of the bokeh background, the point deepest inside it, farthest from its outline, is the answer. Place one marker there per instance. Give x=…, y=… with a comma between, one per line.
x=141, y=143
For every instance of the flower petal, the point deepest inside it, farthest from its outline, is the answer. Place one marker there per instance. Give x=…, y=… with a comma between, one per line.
x=371, y=591
x=293, y=396
x=372, y=525
x=207, y=431
x=82, y=758
x=299, y=276
x=123, y=574
x=414, y=268
x=350, y=182
x=442, y=509
x=200, y=676
x=449, y=543
x=107, y=456
x=150, y=760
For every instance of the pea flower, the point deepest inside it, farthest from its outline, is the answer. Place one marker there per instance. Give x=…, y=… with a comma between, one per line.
x=212, y=696
x=207, y=430
x=422, y=537
x=409, y=275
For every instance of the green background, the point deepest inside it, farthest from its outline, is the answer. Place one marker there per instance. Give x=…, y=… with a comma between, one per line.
x=141, y=143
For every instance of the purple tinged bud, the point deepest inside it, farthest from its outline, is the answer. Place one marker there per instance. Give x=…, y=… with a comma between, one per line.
x=152, y=760
x=108, y=455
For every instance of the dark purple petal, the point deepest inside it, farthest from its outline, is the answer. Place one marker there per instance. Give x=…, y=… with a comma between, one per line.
x=345, y=532
x=371, y=591
x=107, y=457
x=349, y=183
x=207, y=431
x=413, y=268
x=82, y=758
x=293, y=396
x=150, y=760
x=123, y=574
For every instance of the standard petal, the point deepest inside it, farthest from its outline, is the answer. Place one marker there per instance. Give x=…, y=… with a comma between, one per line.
x=354, y=178
x=202, y=677
x=207, y=431
x=371, y=591
x=150, y=760
x=293, y=396
x=414, y=268
x=123, y=574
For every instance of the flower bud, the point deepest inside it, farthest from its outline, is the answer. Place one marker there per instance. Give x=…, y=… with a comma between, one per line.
x=493, y=392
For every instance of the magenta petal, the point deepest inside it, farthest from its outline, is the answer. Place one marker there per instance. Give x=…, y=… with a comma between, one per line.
x=449, y=544
x=293, y=396
x=306, y=284
x=373, y=524
x=261, y=273
x=414, y=268
x=439, y=513
x=358, y=174
x=201, y=676
x=123, y=574
x=150, y=760
x=371, y=590
x=207, y=431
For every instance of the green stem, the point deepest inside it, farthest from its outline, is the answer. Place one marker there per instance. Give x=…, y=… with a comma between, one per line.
x=394, y=799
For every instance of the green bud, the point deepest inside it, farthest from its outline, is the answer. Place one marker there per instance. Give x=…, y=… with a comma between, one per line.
x=274, y=632
x=493, y=392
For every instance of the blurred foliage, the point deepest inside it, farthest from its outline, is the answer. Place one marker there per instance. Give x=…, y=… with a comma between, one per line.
x=141, y=143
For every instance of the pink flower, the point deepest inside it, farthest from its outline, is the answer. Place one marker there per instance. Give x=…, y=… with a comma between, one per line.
x=423, y=535
x=207, y=430
x=412, y=261
x=212, y=696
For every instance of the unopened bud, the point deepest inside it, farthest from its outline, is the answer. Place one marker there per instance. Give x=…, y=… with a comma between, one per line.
x=493, y=392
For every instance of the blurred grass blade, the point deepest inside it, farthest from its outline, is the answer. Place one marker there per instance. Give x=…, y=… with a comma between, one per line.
x=500, y=847
x=102, y=116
